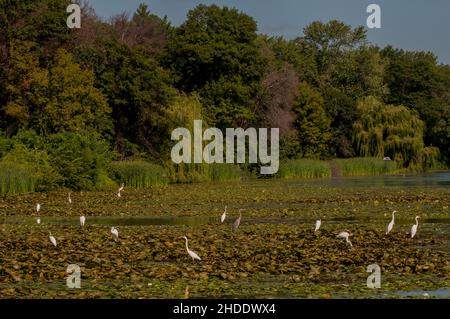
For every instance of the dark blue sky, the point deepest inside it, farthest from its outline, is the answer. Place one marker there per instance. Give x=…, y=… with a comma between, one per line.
x=408, y=24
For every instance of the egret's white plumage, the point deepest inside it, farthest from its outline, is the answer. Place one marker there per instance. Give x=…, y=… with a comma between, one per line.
x=345, y=236
x=120, y=190
x=82, y=220
x=115, y=233
x=38, y=208
x=224, y=215
x=70, y=199
x=391, y=224
x=237, y=222
x=52, y=239
x=318, y=223
x=191, y=253
x=414, y=227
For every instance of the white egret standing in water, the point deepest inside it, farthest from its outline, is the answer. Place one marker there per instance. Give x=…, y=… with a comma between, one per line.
x=237, y=222
x=191, y=253
x=345, y=236
x=38, y=208
x=52, y=239
x=318, y=223
x=391, y=224
x=224, y=215
x=120, y=190
x=82, y=220
x=115, y=233
x=414, y=227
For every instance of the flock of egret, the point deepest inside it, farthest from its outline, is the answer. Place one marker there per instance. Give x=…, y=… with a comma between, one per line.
x=115, y=233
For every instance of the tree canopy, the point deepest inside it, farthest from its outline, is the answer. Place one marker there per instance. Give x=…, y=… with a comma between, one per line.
x=127, y=81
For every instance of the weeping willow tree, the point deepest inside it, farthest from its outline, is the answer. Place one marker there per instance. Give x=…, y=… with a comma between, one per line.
x=182, y=113
x=394, y=131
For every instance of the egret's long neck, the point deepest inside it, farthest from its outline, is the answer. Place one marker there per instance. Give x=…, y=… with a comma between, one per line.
x=417, y=221
x=187, y=248
x=393, y=216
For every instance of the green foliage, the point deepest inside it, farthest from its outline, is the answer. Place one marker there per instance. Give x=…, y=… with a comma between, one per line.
x=361, y=166
x=137, y=89
x=182, y=112
x=81, y=159
x=312, y=123
x=393, y=131
x=61, y=98
x=16, y=179
x=215, y=53
x=37, y=162
x=137, y=174
x=39, y=21
x=195, y=173
x=415, y=79
x=304, y=168
x=225, y=172
x=130, y=81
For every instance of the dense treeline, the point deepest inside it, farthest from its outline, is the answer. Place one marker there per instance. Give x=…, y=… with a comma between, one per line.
x=73, y=100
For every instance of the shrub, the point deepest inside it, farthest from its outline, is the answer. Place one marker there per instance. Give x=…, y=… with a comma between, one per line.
x=80, y=158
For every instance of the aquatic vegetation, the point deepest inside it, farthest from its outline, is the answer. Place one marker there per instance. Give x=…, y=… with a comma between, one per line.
x=275, y=252
x=365, y=166
x=138, y=174
x=16, y=179
x=304, y=168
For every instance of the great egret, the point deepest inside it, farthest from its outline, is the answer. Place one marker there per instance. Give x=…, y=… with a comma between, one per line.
x=82, y=220
x=38, y=208
x=115, y=233
x=52, y=239
x=191, y=253
x=391, y=224
x=318, y=223
x=237, y=222
x=224, y=215
x=414, y=227
x=120, y=190
x=345, y=236
x=70, y=199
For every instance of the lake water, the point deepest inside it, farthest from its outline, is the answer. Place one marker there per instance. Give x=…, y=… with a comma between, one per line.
x=436, y=179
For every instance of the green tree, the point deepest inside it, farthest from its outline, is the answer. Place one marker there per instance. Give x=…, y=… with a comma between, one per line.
x=40, y=21
x=343, y=68
x=215, y=53
x=391, y=130
x=415, y=79
x=61, y=98
x=81, y=159
x=312, y=123
x=137, y=89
